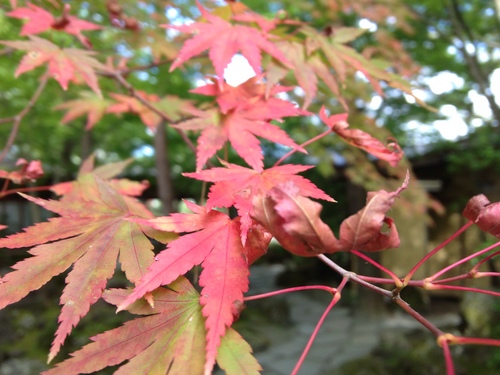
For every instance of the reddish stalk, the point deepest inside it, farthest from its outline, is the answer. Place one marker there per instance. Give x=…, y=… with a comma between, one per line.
x=461, y=261
x=397, y=280
x=303, y=145
x=419, y=318
x=430, y=286
x=439, y=247
x=24, y=190
x=475, y=341
x=335, y=299
x=290, y=290
x=491, y=256
x=443, y=342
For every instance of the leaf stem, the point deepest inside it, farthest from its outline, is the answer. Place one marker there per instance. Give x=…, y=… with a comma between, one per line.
x=431, y=286
x=335, y=299
x=436, y=249
x=303, y=145
x=397, y=280
x=290, y=290
x=461, y=261
x=4, y=193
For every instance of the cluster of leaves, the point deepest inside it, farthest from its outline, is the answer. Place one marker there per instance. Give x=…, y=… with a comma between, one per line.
x=100, y=222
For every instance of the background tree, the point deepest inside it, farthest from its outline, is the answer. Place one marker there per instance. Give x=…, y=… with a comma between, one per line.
x=316, y=67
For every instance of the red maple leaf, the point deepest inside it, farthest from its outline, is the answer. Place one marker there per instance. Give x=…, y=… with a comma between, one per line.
x=309, y=70
x=391, y=152
x=224, y=40
x=171, y=336
x=64, y=65
x=240, y=121
x=215, y=244
x=365, y=229
x=295, y=222
x=29, y=171
x=484, y=214
x=236, y=185
x=90, y=234
x=39, y=20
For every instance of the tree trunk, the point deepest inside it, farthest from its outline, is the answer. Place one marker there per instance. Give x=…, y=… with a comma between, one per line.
x=163, y=178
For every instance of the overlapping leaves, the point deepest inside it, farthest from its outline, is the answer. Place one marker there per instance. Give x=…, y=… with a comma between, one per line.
x=171, y=336
x=242, y=114
x=91, y=234
x=215, y=243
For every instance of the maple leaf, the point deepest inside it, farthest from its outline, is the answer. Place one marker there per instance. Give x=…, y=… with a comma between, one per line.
x=237, y=185
x=89, y=104
x=215, y=244
x=248, y=95
x=484, y=214
x=308, y=70
x=156, y=42
x=171, y=337
x=39, y=20
x=391, y=152
x=294, y=221
x=105, y=172
x=90, y=234
x=224, y=40
x=127, y=103
x=29, y=171
x=364, y=230
x=330, y=46
x=64, y=65
x=240, y=122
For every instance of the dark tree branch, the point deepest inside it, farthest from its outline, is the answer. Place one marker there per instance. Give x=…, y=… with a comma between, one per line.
x=464, y=33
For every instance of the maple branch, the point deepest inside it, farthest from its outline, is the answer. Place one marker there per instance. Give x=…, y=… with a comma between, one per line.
x=17, y=119
x=397, y=280
x=7, y=51
x=125, y=72
x=4, y=193
x=148, y=104
x=416, y=315
x=352, y=276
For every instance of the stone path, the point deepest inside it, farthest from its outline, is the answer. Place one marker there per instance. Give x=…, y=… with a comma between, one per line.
x=342, y=338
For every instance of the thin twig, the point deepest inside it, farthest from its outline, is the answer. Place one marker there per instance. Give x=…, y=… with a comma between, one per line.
x=124, y=72
x=17, y=119
x=149, y=105
x=352, y=276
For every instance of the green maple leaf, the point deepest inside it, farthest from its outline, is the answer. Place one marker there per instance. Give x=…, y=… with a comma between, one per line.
x=171, y=339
